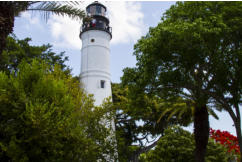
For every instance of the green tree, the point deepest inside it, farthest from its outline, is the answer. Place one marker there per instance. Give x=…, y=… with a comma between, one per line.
x=194, y=53
x=11, y=9
x=137, y=129
x=178, y=145
x=18, y=50
x=45, y=116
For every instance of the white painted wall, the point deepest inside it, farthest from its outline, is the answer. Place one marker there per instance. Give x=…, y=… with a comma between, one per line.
x=95, y=64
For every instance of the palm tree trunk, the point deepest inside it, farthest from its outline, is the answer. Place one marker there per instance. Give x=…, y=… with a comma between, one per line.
x=237, y=123
x=6, y=24
x=238, y=132
x=201, y=132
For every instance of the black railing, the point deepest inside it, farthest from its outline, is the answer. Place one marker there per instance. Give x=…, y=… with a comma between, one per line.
x=96, y=27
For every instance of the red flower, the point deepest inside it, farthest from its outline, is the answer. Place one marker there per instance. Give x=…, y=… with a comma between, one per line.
x=226, y=139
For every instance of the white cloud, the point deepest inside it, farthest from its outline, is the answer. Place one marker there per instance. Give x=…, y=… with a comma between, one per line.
x=126, y=20
x=65, y=31
x=31, y=20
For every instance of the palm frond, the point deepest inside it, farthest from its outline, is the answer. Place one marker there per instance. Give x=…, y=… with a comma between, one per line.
x=183, y=111
x=75, y=3
x=164, y=113
x=181, y=108
x=211, y=112
x=178, y=108
x=21, y=6
x=58, y=8
x=175, y=111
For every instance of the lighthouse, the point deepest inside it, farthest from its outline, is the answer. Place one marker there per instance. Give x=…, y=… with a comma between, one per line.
x=95, y=53
x=95, y=75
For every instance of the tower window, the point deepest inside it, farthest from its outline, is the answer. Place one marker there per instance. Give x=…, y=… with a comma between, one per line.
x=92, y=40
x=102, y=83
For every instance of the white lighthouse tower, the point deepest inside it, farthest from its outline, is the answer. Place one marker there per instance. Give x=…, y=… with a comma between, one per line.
x=95, y=53
x=95, y=59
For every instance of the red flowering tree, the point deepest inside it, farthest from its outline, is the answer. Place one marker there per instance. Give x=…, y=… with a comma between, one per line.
x=227, y=140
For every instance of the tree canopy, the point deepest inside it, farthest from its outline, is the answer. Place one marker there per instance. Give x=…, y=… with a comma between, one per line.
x=193, y=53
x=45, y=116
x=137, y=129
x=178, y=145
x=11, y=9
x=17, y=51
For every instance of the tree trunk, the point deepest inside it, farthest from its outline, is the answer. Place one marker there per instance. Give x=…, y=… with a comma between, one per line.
x=6, y=24
x=134, y=158
x=136, y=154
x=201, y=132
x=238, y=132
x=237, y=123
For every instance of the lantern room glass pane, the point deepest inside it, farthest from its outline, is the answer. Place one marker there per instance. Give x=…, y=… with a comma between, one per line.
x=103, y=11
x=99, y=10
x=96, y=10
x=92, y=10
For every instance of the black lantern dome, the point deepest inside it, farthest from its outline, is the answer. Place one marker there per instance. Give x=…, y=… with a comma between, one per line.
x=96, y=18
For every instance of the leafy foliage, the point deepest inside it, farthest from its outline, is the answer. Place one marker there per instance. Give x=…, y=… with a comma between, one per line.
x=194, y=54
x=45, y=116
x=178, y=145
x=11, y=9
x=18, y=50
x=136, y=120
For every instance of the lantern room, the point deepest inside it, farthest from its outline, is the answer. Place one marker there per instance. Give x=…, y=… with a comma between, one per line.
x=96, y=9
x=96, y=18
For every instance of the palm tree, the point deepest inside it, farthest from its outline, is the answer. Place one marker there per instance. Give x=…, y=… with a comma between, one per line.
x=199, y=112
x=10, y=9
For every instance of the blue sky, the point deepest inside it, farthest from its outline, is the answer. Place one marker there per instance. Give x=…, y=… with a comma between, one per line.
x=129, y=20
